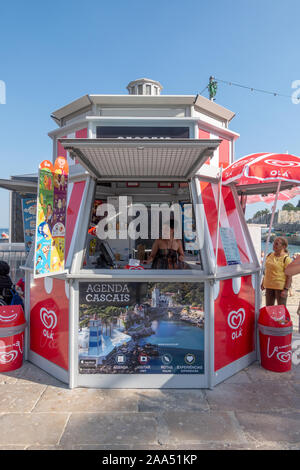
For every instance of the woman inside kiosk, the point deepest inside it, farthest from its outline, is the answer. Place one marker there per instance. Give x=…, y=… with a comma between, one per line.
x=167, y=252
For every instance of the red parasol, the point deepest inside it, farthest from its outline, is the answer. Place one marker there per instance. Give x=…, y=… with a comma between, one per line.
x=258, y=175
x=263, y=168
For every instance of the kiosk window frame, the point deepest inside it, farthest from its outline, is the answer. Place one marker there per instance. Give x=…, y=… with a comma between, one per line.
x=106, y=254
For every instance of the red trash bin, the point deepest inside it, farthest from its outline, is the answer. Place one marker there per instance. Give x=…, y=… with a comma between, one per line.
x=275, y=338
x=12, y=327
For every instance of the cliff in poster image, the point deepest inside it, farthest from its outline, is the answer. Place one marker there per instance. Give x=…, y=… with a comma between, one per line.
x=234, y=320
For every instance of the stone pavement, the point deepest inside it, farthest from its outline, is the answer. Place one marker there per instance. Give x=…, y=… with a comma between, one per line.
x=255, y=409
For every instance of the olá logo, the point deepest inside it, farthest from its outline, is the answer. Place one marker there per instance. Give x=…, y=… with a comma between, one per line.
x=282, y=356
x=235, y=320
x=49, y=320
x=7, y=357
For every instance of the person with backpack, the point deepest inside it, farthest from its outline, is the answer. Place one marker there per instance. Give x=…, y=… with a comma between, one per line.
x=275, y=281
x=6, y=284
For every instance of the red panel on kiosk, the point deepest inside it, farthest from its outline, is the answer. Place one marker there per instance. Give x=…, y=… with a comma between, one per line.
x=49, y=320
x=81, y=134
x=204, y=135
x=234, y=321
x=73, y=211
x=235, y=302
x=224, y=158
x=229, y=218
x=211, y=211
x=235, y=222
x=61, y=151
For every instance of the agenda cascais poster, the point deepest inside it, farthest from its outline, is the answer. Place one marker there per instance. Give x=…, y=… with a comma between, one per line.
x=141, y=328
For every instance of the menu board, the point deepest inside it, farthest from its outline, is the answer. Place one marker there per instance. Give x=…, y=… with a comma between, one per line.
x=141, y=328
x=230, y=245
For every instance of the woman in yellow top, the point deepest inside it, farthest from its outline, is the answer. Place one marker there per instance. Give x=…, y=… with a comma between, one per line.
x=275, y=281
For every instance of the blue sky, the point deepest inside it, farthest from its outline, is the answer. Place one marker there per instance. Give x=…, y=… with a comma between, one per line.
x=53, y=52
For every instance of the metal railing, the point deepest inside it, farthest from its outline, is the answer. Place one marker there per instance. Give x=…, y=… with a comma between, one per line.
x=15, y=256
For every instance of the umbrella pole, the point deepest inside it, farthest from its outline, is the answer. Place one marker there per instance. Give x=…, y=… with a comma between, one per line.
x=243, y=202
x=218, y=223
x=271, y=224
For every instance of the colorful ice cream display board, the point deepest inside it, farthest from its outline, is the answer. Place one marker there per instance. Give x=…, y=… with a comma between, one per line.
x=51, y=217
x=141, y=327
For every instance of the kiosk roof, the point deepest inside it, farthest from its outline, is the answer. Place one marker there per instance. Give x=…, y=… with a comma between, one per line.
x=140, y=159
x=21, y=185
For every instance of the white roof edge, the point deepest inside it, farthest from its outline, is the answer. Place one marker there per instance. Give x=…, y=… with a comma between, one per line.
x=19, y=185
x=114, y=100
x=72, y=107
x=87, y=100
x=213, y=108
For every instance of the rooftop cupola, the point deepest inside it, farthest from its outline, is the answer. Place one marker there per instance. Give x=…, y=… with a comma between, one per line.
x=144, y=86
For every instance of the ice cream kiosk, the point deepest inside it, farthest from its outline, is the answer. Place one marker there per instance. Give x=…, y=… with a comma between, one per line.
x=116, y=316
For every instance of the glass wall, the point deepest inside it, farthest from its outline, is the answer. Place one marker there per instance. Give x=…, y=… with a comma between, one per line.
x=142, y=232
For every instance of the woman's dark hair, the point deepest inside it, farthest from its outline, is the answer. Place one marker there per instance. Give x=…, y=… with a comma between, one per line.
x=4, y=268
x=172, y=224
x=284, y=243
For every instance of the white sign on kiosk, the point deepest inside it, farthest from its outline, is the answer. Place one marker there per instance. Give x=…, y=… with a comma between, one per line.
x=230, y=245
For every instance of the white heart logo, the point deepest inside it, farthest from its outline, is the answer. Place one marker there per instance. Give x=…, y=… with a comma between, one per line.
x=7, y=357
x=48, y=318
x=189, y=358
x=236, y=319
x=284, y=356
x=281, y=163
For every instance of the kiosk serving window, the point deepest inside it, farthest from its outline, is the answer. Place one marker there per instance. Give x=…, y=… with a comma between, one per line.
x=143, y=232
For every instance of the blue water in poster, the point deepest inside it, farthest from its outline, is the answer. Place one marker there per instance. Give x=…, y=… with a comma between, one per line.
x=180, y=346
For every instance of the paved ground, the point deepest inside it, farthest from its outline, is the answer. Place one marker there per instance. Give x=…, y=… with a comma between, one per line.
x=255, y=409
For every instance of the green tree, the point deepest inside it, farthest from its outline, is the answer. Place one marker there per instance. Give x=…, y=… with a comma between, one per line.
x=288, y=207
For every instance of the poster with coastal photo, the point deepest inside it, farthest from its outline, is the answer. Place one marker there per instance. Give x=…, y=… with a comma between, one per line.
x=141, y=327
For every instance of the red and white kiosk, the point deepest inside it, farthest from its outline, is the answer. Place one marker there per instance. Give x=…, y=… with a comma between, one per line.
x=98, y=324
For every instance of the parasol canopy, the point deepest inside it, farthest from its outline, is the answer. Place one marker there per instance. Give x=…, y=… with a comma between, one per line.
x=285, y=195
x=259, y=173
